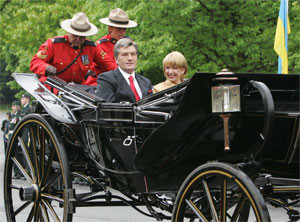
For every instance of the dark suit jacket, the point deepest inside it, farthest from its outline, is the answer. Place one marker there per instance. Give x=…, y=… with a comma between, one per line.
x=112, y=87
x=26, y=110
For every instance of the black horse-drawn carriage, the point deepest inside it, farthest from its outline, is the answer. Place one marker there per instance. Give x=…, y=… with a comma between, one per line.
x=217, y=147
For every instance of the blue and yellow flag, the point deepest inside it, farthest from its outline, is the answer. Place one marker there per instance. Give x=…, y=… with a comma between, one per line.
x=281, y=38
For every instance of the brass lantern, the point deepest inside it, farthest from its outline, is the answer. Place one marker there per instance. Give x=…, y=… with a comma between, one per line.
x=225, y=100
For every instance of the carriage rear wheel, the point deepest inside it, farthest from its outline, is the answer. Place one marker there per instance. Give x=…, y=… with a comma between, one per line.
x=37, y=181
x=219, y=192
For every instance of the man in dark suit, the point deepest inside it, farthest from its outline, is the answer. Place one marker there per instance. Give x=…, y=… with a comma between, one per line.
x=15, y=118
x=26, y=106
x=123, y=84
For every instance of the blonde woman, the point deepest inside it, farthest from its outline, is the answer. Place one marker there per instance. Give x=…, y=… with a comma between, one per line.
x=175, y=68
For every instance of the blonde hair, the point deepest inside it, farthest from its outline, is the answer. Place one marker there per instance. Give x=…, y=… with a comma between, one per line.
x=177, y=60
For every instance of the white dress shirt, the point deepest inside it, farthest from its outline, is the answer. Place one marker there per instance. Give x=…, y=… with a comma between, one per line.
x=136, y=84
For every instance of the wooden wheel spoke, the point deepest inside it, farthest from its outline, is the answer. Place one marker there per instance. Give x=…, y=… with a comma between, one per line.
x=16, y=187
x=22, y=208
x=21, y=168
x=41, y=142
x=50, y=210
x=51, y=197
x=244, y=215
x=196, y=210
x=36, y=212
x=31, y=214
x=210, y=201
x=44, y=213
x=27, y=157
x=223, y=209
x=54, y=178
x=33, y=141
x=48, y=167
x=238, y=208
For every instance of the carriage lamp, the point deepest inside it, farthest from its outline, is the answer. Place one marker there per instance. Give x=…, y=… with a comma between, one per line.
x=225, y=100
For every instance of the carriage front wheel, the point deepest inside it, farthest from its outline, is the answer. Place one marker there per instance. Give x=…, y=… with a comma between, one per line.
x=219, y=192
x=37, y=181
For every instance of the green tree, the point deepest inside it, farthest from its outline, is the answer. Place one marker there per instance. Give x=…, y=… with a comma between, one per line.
x=212, y=35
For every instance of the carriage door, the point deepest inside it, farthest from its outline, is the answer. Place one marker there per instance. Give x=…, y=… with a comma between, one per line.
x=120, y=146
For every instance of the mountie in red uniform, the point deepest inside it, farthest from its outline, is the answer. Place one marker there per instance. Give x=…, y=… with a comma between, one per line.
x=58, y=53
x=105, y=46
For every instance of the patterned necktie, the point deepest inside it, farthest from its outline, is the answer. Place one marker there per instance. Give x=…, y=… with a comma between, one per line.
x=137, y=97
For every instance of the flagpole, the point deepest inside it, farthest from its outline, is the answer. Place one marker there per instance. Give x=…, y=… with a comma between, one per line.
x=281, y=38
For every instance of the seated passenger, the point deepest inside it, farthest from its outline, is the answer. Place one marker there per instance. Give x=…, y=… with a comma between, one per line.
x=123, y=84
x=71, y=56
x=175, y=68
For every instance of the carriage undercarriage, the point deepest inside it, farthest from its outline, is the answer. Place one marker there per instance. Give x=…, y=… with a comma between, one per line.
x=74, y=135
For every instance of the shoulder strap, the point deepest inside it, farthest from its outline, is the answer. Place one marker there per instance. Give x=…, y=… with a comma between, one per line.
x=58, y=40
x=89, y=43
x=103, y=40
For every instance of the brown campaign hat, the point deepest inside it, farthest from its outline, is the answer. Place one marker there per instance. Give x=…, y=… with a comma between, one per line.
x=118, y=18
x=79, y=25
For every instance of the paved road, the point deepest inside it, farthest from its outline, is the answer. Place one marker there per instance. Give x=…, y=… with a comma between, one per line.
x=107, y=214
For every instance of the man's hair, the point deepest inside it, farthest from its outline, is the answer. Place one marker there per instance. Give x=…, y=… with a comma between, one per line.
x=124, y=42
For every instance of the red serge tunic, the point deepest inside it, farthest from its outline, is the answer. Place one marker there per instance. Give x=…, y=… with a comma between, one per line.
x=105, y=46
x=58, y=53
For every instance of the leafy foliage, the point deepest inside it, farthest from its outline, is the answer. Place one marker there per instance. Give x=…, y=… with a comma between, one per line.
x=212, y=35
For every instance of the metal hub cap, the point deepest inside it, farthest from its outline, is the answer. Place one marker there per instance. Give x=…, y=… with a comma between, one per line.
x=29, y=193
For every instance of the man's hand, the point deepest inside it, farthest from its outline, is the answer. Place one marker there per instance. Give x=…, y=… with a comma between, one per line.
x=50, y=71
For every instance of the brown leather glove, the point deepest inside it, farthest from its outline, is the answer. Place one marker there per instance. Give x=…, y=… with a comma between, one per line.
x=90, y=73
x=50, y=71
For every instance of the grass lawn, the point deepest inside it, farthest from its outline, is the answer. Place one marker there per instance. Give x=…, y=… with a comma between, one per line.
x=5, y=107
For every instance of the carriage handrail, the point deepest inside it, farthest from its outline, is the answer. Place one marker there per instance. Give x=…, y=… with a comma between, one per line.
x=74, y=88
x=269, y=112
x=68, y=91
x=165, y=98
x=153, y=113
x=142, y=109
